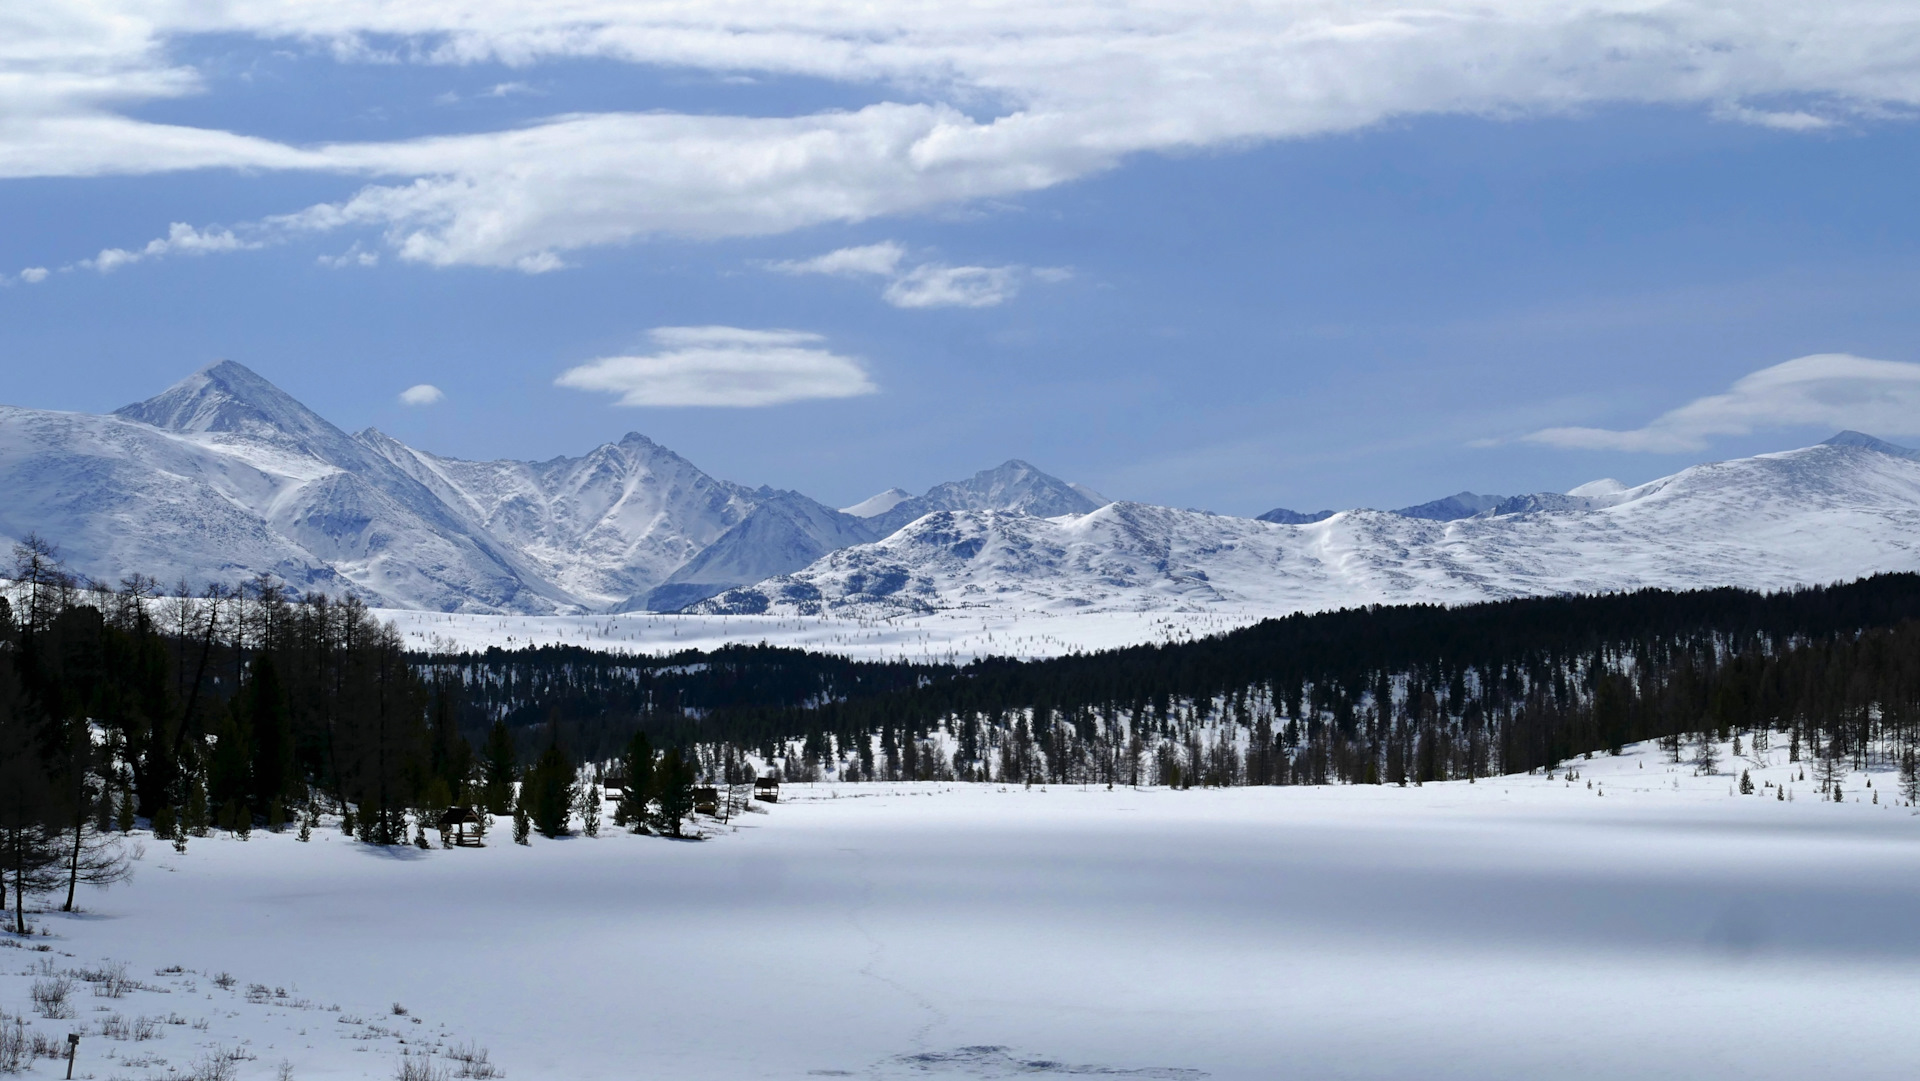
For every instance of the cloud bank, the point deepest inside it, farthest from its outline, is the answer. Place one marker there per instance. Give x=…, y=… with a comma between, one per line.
x=724, y=366
x=1834, y=390
x=987, y=100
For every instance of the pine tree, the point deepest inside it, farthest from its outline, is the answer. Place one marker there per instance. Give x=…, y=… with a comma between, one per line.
x=549, y=793
x=639, y=767
x=590, y=811
x=499, y=765
x=674, y=793
x=522, y=825
x=1746, y=784
x=1707, y=758
x=29, y=848
x=194, y=819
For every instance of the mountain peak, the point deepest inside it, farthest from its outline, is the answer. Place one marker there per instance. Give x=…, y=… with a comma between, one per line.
x=1851, y=438
x=227, y=396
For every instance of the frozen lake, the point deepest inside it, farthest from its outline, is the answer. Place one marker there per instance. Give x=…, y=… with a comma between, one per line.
x=1517, y=928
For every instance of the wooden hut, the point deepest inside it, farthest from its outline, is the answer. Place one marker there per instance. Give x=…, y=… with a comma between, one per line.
x=455, y=822
x=706, y=800
x=767, y=789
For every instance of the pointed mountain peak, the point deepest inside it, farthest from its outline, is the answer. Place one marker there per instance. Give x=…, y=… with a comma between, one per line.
x=229, y=397
x=1852, y=438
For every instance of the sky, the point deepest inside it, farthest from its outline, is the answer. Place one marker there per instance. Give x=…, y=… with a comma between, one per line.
x=1306, y=254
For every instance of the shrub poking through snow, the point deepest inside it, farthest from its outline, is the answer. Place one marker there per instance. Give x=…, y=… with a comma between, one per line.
x=13, y=1044
x=50, y=997
x=419, y=1067
x=470, y=1061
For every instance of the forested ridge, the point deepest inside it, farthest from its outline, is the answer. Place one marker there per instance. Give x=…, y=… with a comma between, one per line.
x=134, y=706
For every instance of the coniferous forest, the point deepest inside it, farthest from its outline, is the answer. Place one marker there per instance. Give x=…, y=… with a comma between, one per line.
x=242, y=707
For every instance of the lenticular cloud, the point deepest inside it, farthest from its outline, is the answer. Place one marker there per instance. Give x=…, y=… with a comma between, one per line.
x=1834, y=390
x=724, y=366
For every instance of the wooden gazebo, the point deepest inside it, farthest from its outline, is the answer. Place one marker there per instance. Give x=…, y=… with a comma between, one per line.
x=454, y=823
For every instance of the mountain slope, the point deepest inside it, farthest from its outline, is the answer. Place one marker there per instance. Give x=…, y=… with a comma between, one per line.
x=224, y=475
x=785, y=532
x=1819, y=514
x=605, y=526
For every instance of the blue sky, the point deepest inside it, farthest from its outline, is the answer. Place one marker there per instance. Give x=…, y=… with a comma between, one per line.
x=1221, y=274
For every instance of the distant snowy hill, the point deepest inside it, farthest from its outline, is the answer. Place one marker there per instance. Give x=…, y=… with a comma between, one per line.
x=1830, y=512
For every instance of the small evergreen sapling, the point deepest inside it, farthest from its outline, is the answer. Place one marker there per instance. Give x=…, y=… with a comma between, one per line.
x=1746, y=784
x=590, y=811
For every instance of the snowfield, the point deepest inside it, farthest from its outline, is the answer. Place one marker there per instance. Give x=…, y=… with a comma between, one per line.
x=1632, y=920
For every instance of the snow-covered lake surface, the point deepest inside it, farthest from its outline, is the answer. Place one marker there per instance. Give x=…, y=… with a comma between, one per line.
x=1650, y=926
x=949, y=637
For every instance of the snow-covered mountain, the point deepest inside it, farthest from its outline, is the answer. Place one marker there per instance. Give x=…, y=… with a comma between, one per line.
x=224, y=475
x=604, y=527
x=1824, y=513
x=1012, y=486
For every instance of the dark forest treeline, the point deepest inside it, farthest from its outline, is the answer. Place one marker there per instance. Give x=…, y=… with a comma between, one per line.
x=1394, y=694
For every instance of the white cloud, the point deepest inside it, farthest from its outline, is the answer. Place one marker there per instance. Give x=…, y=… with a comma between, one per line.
x=1060, y=91
x=879, y=259
x=724, y=366
x=928, y=285
x=355, y=256
x=421, y=394
x=936, y=286
x=1833, y=390
x=181, y=239
x=34, y=275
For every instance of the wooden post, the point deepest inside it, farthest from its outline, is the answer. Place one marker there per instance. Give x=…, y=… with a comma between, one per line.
x=73, y=1045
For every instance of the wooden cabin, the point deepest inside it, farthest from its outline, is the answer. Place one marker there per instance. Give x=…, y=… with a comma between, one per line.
x=706, y=800
x=767, y=789
x=455, y=822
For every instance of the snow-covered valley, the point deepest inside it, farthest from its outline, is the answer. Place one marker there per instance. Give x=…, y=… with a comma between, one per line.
x=1627, y=919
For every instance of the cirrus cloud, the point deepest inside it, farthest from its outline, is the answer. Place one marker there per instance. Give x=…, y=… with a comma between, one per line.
x=992, y=100
x=1835, y=390
x=927, y=285
x=724, y=366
